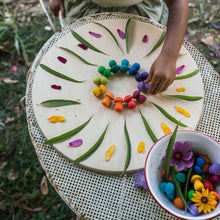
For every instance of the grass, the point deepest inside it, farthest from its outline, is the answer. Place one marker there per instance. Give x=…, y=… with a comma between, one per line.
x=21, y=37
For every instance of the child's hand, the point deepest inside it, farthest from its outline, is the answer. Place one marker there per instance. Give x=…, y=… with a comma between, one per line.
x=162, y=74
x=56, y=6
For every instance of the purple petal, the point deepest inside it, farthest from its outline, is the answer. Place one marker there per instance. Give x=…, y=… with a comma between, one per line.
x=217, y=55
x=56, y=87
x=216, y=26
x=179, y=69
x=180, y=165
x=186, y=38
x=173, y=161
x=188, y=163
x=215, y=169
x=76, y=143
x=61, y=59
x=145, y=39
x=211, y=54
x=187, y=156
x=186, y=146
x=83, y=46
x=95, y=34
x=178, y=146
x=121, y=34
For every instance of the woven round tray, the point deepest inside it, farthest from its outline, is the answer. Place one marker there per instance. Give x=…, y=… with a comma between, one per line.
x=100, y=196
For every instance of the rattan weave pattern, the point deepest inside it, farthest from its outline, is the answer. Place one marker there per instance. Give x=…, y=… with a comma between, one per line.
x=101, y=196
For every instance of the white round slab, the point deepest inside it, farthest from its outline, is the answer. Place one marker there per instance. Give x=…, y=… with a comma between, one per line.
x=119, y=84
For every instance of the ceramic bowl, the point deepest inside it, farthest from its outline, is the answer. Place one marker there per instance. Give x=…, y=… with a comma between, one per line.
x=201, y=143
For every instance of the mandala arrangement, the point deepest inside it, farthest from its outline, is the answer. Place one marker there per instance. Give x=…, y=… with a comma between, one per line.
x=101, y=97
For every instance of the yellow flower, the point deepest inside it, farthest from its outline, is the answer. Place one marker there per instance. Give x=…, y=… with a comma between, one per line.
x=205, y=200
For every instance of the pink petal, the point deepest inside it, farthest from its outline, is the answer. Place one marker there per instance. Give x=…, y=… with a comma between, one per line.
x=179, y=69
x=83, y=46
x=145, y=39
x=14, y=69
x=121, y=34
x=76, y=143
x=56, y=87
x=95, y=34
x=61, y=59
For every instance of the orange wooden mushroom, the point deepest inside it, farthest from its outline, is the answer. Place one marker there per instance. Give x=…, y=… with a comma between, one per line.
x=107, y=100
x=118, y=104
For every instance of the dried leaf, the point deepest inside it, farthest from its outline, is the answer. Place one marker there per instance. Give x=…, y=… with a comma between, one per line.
x=8, y=80
x=43, y=186
x=208, y=40
x=25, y=207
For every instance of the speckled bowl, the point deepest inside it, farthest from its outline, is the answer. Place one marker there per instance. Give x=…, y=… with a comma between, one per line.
x=201, y=143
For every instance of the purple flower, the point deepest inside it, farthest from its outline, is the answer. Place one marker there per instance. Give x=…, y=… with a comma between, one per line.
x=181, y=155
x=140, y=180
x=186, y=38
x=215, y=169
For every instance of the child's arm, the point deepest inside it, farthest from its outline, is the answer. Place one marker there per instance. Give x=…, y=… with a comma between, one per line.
x=56, y=6
x=163, y=70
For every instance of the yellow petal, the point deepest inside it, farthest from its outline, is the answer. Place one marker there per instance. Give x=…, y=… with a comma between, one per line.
x=201, y=207
x=96, y=91
x=109, y=152
x=183, y=111
x=181, y=89
x=165, y=128
x=141, y=147
x=102, y=88
x=55, y=119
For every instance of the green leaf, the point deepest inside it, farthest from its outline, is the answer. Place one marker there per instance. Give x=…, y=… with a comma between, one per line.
x=184, y=97
x=128, y=157
x=192, y=20
x=58, y=102
x=114, y=38
x=92, y=149
x=169, y=154
x=187, y=75
x=166, y=114
x=149, y=131
x=86, y=43
x=79, y=57
x=186, y=184
x=159, y=42
x=178, y=187
x=126, y=34
x=67, y=135
x=60, y=75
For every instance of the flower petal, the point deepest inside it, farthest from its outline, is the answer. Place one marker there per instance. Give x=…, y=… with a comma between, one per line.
x=145, y=39
x=95, y=34
x=186, y=146
x=56, y=87
x=76, y=143
x=178, y=146
x=215, y=169
x=121, y=34
x=179, y=69
x=187, y=155
x=14, y=69
x=180, y=165
x=62, y=59
x=188, y=164
x=83, y=46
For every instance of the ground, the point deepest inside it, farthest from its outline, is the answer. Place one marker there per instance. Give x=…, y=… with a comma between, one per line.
x=24, y=191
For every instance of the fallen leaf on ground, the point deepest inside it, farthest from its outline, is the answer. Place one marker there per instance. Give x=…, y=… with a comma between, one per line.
x=8, y=80
x=43, y=186
x=208, y=40
x=25, y=207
